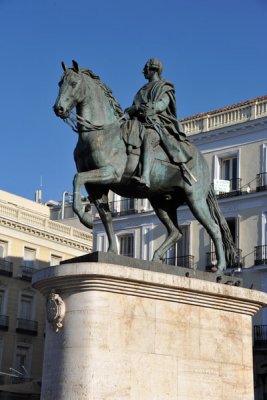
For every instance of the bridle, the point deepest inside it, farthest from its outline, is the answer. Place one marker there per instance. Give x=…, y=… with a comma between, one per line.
x=74, y=119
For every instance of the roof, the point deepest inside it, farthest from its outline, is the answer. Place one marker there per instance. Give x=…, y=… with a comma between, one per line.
x=219, y=110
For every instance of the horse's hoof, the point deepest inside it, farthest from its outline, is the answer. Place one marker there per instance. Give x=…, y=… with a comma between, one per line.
x=112, y=251
x=87, y=221
x=157, y=259
x=214, y=268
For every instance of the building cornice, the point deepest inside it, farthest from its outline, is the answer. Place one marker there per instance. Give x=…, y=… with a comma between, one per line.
x=230, y=131
x=29, y=230
x=248, y=111
x=38, y=225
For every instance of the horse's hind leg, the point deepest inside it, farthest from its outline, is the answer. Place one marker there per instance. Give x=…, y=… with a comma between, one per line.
x=166, y=212
x=200, y=210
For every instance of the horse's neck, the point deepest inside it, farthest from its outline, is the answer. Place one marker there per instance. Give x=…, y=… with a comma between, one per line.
x=96, y=107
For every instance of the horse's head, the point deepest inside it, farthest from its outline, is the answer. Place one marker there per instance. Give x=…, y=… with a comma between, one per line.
x=93, y=99
x=70, y=90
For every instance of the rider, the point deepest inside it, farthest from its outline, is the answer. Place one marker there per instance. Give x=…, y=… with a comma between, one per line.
x=154, y=106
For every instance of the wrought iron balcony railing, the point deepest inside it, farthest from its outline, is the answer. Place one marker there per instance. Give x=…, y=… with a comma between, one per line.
x=235, y=189
x=182, y=261
x=4, y=319
x=260, y=255
x=6, y=267
x=26, y=273
x=261, y=182
x=260, y=333
x=211, y=260
x=27, y=326
x=123, y=206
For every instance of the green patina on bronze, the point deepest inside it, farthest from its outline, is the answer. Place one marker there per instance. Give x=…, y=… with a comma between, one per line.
x=141, y=153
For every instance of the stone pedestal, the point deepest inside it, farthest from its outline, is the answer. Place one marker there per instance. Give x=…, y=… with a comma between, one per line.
x=127, y=333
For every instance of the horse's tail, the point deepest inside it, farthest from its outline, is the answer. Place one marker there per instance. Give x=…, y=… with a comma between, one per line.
x=228, y=243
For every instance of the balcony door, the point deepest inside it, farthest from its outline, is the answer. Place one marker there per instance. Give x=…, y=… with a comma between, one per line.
x=3, y=249
x=229, y=171
x=29, y=257
x=26, y=307
x=126, y=244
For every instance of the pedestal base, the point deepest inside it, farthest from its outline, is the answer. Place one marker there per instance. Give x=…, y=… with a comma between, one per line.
x=135, y=334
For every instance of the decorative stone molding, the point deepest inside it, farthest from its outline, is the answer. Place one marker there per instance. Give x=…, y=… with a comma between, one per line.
x=143, y=283
x=55, y=310
x=227, y=116
x=46, y=235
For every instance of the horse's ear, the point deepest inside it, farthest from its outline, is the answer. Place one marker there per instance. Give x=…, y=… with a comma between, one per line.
x=63, y=66
x=75, y=66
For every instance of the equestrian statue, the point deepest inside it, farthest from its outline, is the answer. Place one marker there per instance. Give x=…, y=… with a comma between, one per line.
x=142, y=152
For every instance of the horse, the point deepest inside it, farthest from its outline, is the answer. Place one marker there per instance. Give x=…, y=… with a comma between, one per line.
x=105, y=161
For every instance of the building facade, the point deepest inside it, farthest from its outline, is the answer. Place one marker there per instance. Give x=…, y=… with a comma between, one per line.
x=29, y=240
x=234, y=142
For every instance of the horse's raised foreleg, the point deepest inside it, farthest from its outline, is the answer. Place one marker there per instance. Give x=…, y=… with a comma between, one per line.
x=166, y=212
x=200, y=210
x=104, y=176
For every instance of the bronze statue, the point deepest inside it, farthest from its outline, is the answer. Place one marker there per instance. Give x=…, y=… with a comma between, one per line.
x=108, y=156
x=155, y=107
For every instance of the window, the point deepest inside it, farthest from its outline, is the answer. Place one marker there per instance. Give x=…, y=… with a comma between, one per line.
x=229, y=171
x=2, y=300
x=264, y=158
x=122, y=205
x=26, y=306
x=127, y=204
x=262, y=176
x=1, y=350
x=29, y=257
x=101, y=244
x=55, y=260
x=233, y=226
x=23, y=358
x=3, y=249
x=126, y=245
x=226, y=167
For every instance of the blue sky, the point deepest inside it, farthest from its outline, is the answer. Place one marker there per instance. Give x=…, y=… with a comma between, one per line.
x=215, y=53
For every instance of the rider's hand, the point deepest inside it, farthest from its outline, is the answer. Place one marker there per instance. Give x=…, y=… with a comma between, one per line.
x=146, y=110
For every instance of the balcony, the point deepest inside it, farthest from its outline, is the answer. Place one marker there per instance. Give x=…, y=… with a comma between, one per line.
x=123, y=207
x=26, y=273
x=261, y=182
x=183, y=261
x=212, y=260
x=235, y=189
x=27, y=326
x=260, y=334
x=4, y=322
x=6, y=267
x=260, y=255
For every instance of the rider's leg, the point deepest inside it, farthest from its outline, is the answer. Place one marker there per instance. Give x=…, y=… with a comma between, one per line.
x=147, y=159
x=151, y=139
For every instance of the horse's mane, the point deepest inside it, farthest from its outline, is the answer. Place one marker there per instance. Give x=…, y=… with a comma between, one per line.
x=107, y=91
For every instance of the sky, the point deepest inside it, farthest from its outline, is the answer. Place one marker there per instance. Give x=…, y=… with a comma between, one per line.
x=214, y=52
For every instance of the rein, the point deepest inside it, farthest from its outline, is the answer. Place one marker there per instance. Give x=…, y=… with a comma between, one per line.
x=76, y=119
